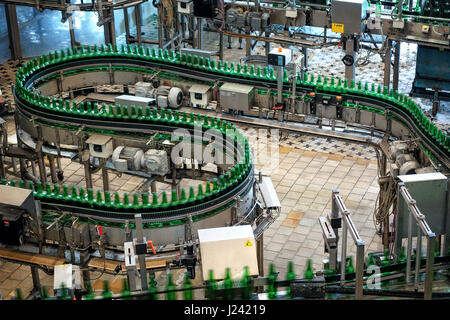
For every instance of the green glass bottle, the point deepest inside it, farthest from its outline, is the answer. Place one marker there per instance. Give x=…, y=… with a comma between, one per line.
x=386, y=261
x=171, y=295
x=126, y=293
x=152, y=289
x=402, y=257
x=228, y=285
x=44, y=294
x=350, y=268
x=187, y=287
x=18, y=294
x=309, y=273
x=107, y=293
x=246, y=284
x=271, y=278
x=90, y=295
x=211, y=287
x=290, y=276
x=64, y=293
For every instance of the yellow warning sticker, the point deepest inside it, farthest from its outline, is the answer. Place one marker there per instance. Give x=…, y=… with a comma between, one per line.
x=337, y=27
x=248, y=243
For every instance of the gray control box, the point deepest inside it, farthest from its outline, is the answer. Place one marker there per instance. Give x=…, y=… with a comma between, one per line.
x=347, y=16
x=236, y=96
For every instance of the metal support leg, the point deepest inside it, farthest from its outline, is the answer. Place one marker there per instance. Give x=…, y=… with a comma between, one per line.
x=131, y=277
x=260, y=255
x=87, y=172
x=418, y=256
x=248, y=47
x=436, y=103
x=387, y=64
x=429, y=269
x=141, y=257
x=305, y=59
x=137, y=15
x=105, y=175
x=396, y=66
x=86, y=276
x=199, y=33
x=13, y=31
x=36, y=280
x=160, y=27
x=127, y=25
x=41, y=165
x=73, y=42
x=409, y=249
x=334, y=215
x=51, y=161
x=349, y=50
x=359, y=272
x=344, y=252
x=221, y=46
x=109, y=28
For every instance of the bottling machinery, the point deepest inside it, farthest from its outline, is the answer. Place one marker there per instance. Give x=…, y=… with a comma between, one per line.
x=165, y=112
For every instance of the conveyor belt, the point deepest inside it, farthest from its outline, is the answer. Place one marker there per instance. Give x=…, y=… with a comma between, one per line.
x=403, y=109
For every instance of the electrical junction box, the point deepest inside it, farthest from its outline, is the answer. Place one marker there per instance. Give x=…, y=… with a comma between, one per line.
x=228, y=247
x=185, y=6
x=279, y=57
x=200, y=95
x=236, y=96
x=100, y=146
x=430, y=192
x=347, y=16
x=398, y=24
x=291, y=13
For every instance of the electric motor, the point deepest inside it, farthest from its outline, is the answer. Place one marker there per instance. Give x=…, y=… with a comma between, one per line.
x=127, y=158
